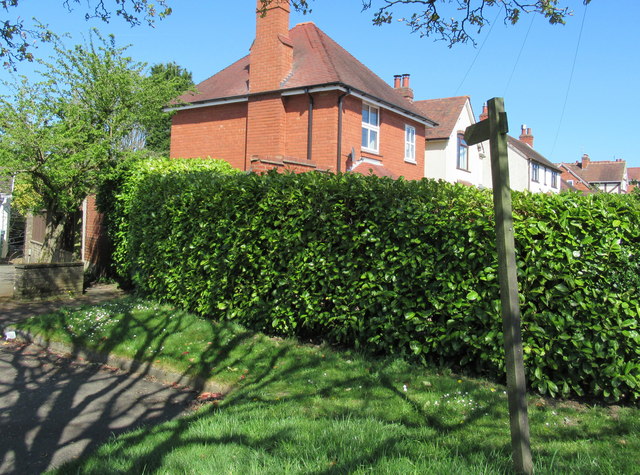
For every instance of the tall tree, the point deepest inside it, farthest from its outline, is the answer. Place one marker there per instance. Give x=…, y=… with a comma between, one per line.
x=158, y=127
x=62, y=133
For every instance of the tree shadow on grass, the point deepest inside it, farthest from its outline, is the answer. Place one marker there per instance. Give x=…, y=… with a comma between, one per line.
x=290, y=391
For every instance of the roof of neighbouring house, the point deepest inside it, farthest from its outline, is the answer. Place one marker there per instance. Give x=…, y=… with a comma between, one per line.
x=445, y=112
x=530, y=153
x=633, y=173
x=600, y=171
x=317, y=60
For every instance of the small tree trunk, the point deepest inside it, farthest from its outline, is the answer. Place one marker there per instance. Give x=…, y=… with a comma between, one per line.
x=61, y=238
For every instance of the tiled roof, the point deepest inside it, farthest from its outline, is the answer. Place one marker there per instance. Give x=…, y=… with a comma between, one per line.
x=530, y=153
x=445, y=112
x=633, y=173
x=317, y=61
x=600, y=171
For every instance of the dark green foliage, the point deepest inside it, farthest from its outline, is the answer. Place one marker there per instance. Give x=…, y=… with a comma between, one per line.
x=396, y=267
x=158, y=126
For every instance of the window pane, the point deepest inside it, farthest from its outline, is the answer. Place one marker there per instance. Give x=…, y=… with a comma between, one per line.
x=373, y=140
x=365, y=114
x=365, y=140
x=373, y=114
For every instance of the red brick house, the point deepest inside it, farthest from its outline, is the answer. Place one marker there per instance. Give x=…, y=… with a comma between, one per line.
x=299, y=101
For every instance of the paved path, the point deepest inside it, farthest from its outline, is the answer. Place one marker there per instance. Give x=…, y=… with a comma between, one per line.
x=53, y=409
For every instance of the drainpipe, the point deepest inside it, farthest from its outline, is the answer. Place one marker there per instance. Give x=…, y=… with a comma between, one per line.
x=339, y=152
x=246, y=138
x=310, y=127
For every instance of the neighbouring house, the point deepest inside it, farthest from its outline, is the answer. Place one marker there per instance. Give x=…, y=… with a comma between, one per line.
x=529, y=170
x=6, y=192
x=447, y=155
x=301, y=102
x=633, y=175
x=606, y=176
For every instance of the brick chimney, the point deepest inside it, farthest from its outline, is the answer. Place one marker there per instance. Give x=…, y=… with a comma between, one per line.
x=585, y=161
x=485, y=112
x=270, y=62
x=525, y=136
x=403, y=88
x=271, y=57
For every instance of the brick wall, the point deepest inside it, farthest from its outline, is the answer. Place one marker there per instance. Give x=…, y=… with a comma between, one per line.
x=324, y=128
x=96, y=250
x=215, y=132
x=266, y=133
x=47, y=280
x=391, y=140
x=277, y=129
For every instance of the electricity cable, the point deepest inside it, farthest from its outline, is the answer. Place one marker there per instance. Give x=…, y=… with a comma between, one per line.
x=573, y=67
x=479, y=51
x=515, y=65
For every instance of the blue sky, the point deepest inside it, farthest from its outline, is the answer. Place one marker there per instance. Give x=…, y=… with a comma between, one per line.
x=529, y=64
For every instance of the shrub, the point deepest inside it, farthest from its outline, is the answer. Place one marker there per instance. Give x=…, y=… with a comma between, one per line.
x=402, y=267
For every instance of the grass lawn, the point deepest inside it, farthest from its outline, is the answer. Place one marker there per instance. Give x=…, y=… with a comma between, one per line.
x=296, y=408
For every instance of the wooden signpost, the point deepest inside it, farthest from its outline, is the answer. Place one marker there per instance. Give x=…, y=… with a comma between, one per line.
x=495, y=129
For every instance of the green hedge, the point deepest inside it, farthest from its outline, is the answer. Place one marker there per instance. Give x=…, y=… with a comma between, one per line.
x=401, y=267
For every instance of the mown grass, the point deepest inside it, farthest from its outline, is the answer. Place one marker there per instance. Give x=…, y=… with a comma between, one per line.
x=296, y=408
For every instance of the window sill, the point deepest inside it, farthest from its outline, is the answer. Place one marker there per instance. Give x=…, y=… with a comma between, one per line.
x=412, y=162
x=371, y=152
x=466, y=170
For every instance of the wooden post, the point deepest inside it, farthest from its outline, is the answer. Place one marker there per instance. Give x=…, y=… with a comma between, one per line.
x=495, y=129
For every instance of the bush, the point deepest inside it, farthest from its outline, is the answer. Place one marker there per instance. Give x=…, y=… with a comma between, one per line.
x=402, y=267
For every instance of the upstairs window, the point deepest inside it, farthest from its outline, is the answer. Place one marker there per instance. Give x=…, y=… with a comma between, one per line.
x=463, y=154
x=554, y=179
x=409, y=143
x=370, y=128
x=535, y=172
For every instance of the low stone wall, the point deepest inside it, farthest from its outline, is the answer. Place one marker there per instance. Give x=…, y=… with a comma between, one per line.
x=48, y=280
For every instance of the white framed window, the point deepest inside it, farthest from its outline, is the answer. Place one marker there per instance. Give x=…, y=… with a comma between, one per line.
x=463, y=154
x=409, y=143
x=554, y=179
x=535, y=172
x=370, y=128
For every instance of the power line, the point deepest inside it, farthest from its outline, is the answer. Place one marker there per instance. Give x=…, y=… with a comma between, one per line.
x=478, y=53
x=518, y=58
x=573, y=67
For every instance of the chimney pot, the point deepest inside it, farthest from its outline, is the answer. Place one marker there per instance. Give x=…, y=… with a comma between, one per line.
x=585, y=161
x=485, y=112
x=404, y=90
x=525, y=136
